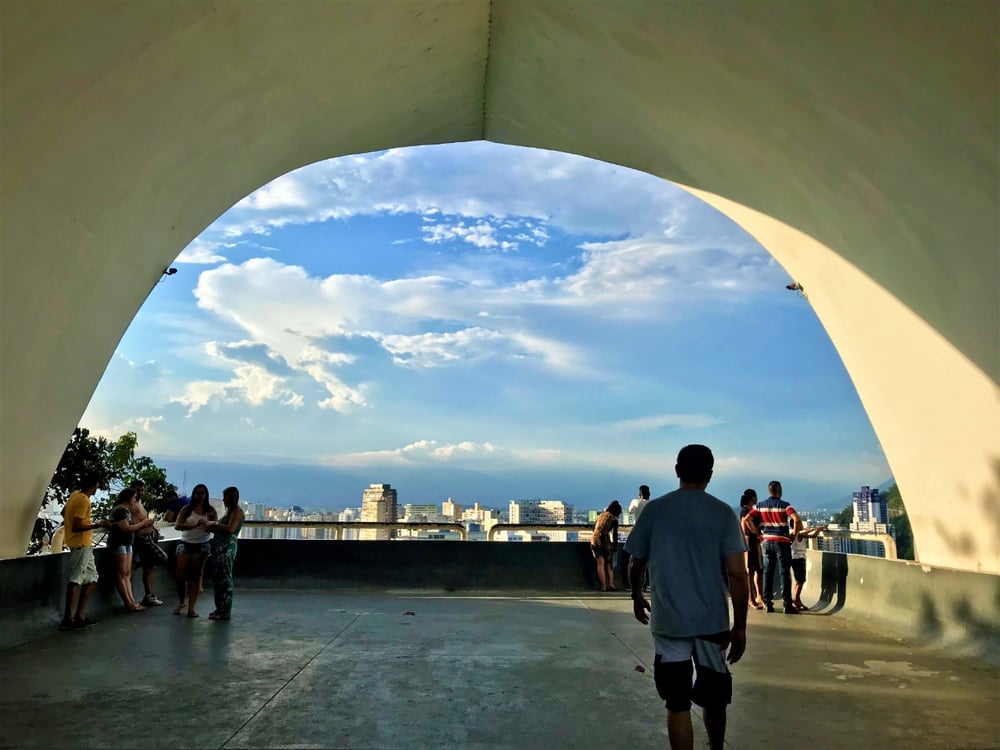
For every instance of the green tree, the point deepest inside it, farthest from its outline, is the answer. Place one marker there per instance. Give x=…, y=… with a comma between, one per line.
x=83, y=455
x=116, y=466
x=845, y=517
x=905, y=549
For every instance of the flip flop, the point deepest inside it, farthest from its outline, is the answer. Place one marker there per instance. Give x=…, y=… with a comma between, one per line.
x=193, y=614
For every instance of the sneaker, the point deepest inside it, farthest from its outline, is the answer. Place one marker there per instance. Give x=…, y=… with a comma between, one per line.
x=769, y=608
x=790, y=611
x=150, y=600
x=74, y=625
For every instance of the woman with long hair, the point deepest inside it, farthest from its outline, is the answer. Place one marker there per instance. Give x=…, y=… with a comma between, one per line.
x=755, y=559
x=225, y=531
x=121, y=534
x=194, y=549
x=602, y=544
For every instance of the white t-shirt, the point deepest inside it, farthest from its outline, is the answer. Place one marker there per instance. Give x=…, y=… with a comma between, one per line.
x=635, y=507
x=799, y=549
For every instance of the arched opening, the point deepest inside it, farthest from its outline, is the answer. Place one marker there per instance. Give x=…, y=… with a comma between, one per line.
x=874, y=147
x=484, y=322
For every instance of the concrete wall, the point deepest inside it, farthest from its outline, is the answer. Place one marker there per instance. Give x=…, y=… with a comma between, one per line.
x=952, y=608
x=33, y=593
x=957, y=609
x=858, y=141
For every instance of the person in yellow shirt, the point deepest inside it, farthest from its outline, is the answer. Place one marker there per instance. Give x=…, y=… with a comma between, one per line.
x=82, y=569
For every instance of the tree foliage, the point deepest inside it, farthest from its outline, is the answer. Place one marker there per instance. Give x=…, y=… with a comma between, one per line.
x=116, y=466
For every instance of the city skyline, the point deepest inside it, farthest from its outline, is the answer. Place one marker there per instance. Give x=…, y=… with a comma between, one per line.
x=485, y=322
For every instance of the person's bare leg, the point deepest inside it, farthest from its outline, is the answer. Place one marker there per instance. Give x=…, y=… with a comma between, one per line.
x=85, y=592
x=680, y=730
x=797, y=596
x=600, y=574
x=759, y=575
x=195, y=568
x=181, y=576
x=123, y=581
x=609, y=573
x=147, y=581
x=715, y=726
x=72, y=597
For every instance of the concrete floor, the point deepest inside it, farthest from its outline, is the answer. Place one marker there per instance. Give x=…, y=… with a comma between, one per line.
x=427, y=670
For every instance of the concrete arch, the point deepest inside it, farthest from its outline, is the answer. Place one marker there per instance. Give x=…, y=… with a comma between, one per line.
x=858, y=142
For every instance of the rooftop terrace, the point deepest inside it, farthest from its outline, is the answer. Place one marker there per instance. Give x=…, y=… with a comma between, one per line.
x=365, y=668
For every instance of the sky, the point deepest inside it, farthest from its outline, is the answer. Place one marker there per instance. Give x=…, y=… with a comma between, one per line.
x=481, y=322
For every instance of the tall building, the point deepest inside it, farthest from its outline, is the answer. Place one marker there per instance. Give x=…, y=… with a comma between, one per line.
x=540, y=511
x=871, y=511
x=421, y=513
x=452, y=510
x=378, y=503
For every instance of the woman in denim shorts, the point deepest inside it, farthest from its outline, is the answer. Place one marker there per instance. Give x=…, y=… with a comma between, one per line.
x=194, y=548
x=119, y=544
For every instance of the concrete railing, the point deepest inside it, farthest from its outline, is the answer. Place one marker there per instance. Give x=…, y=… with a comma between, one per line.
x=338, y=527
x=544, y=527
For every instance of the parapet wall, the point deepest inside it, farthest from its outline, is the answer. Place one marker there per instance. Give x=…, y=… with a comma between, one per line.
x=954, y=608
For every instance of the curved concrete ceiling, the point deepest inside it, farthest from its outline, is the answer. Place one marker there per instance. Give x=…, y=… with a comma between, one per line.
x=858, y=142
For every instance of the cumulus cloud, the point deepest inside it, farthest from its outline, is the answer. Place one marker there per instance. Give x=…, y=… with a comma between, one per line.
x=430, y=452
x=251, y=383
x=202, y=252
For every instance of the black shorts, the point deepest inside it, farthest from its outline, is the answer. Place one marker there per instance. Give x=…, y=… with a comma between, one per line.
x=799, y=570
x=711, y=689
x=755, y=560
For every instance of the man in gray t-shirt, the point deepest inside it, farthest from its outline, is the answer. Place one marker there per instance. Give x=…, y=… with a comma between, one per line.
x=692, y=544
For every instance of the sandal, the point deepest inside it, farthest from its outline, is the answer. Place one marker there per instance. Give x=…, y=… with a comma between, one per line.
x=217, y=616
x=179, y=609
x=192, y=613
x=758, y=605
x=136, y=608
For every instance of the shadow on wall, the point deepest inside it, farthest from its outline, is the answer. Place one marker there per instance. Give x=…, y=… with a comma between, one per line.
x=833, y=584
x=959, y=540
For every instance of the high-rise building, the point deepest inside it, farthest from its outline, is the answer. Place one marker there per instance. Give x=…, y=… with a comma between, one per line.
x=421, y=513
x=540, y=511
x=452, y=510
x=378, y=503
x=871, y=511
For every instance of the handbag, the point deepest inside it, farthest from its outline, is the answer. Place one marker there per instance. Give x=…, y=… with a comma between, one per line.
x=152, y=553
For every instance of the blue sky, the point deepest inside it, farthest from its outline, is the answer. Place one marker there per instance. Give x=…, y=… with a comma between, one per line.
x=483, y=322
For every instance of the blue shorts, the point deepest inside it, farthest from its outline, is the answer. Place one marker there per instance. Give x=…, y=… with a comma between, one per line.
x=121, y=549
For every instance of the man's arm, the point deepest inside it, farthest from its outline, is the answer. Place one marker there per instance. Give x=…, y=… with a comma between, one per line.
x=636, y=576
x=739, y=590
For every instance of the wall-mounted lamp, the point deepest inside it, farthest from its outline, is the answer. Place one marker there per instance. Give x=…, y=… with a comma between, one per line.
x=169, y=271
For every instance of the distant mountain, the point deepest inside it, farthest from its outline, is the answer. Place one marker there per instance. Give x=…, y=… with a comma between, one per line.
x=586, y=488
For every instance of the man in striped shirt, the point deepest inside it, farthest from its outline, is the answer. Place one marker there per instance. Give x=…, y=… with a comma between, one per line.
x=779, y=523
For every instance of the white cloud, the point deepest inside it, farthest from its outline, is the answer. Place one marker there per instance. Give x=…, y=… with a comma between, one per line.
x=430, y=452
x=201, y=252
x=659, y=421
x=251, y=383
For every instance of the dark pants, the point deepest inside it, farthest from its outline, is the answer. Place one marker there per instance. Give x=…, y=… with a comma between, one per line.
x=778, y=554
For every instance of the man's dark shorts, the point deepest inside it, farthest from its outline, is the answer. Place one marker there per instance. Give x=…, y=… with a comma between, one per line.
x=712, y=688
x=799, y=570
